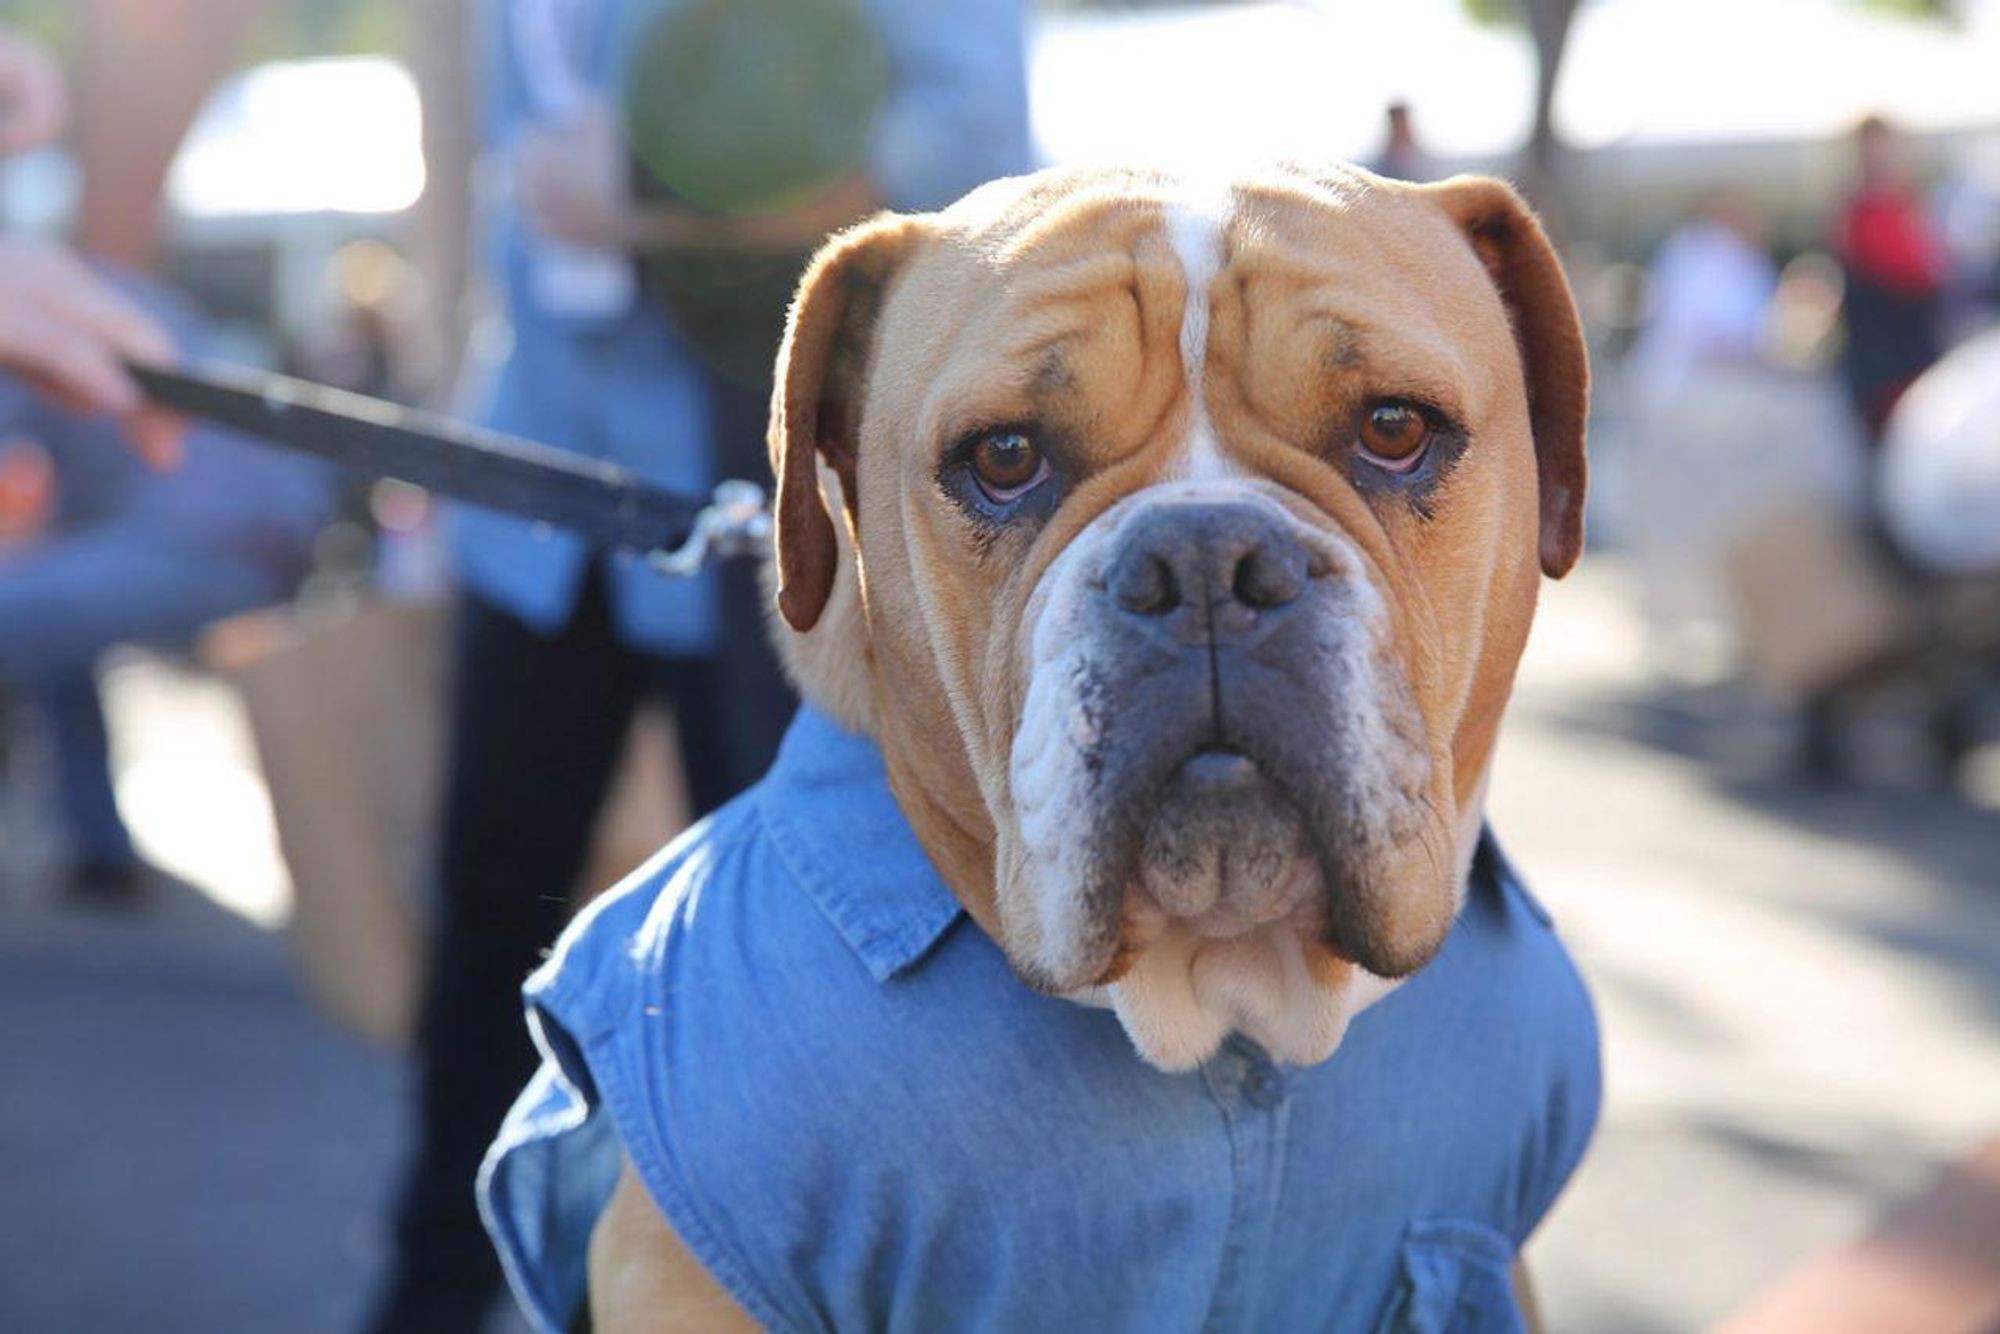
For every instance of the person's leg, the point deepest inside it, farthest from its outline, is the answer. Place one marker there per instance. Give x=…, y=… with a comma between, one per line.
x=66, y=600
x=104, y=861
x=538, y=724
x=63, y=603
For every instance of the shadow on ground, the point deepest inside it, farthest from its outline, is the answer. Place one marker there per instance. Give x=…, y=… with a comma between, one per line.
x=1950, y=848
x=186, y=1144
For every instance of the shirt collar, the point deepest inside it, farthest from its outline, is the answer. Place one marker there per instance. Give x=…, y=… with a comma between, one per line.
x=827, y=807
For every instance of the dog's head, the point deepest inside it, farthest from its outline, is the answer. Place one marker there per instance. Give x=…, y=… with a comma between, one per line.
x=1179, y=549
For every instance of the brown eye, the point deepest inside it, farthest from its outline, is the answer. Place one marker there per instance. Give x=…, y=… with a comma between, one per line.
x=1007, y=466
x=1394, y=436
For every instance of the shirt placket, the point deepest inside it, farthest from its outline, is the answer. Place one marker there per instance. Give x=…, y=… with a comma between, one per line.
x=1254, y=1096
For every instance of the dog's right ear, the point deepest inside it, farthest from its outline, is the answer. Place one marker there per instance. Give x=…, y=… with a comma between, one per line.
x=817, y=401
x=1504, y=234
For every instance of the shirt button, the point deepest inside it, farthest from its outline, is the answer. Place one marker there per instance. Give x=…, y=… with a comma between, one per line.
x=1263, y=1086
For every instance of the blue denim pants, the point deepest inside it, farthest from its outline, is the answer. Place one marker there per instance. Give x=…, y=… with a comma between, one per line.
x=64, y=601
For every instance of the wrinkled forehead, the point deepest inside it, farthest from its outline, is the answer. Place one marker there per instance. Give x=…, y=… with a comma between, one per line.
x=1062, y=291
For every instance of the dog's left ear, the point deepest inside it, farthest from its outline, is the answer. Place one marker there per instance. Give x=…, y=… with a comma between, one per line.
x=1503, y=232
x=817, y=401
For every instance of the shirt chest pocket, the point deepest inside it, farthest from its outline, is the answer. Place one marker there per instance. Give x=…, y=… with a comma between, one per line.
x=1457, y=1278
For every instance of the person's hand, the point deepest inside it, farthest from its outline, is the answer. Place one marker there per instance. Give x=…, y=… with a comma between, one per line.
x=34, y=106
x=572, y=180
x=68, y=333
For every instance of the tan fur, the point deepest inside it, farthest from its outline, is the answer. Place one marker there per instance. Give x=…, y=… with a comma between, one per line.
x=815, y=407
x=1058, y=299
x=642, y=1279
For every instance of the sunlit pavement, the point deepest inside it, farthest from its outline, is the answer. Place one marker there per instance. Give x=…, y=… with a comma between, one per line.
x=1800, y=990
x=1800, y=994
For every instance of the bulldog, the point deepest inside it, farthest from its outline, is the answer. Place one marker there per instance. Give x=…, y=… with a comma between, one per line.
x=1176, y=546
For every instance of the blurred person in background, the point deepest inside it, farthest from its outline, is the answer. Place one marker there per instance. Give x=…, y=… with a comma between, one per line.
x=1709, y=294
x=62, y=327
x=1899, y=273
x=557, y=642
x=1402, y=156
x=127, y=554
x=66, y=331
x=1895, y=268
x=97, y=549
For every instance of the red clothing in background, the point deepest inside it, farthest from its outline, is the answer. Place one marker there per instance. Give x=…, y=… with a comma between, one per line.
x=1885, y=236
x=1895, y=269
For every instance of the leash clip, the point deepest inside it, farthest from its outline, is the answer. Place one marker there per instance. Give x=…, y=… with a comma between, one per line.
x=735, y=522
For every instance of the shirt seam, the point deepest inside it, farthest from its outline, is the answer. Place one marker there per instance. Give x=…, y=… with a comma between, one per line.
x=652, y=1158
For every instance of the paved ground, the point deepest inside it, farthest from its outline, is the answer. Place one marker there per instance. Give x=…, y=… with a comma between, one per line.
x=1800, y=994
x=185, y=1145
x=1800, y=990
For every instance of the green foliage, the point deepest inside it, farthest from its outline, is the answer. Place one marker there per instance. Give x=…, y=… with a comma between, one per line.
x=48, y=21
x=1509, y=11
x=1916, y=9
x=288, y=28
x=1134, y=4
x=331, y=28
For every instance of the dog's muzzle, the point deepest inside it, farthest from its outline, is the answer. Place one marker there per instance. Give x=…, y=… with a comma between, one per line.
x=1200, y=599
x=1216, y=740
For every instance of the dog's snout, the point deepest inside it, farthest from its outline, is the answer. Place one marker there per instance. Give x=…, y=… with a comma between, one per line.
x=1206, y=557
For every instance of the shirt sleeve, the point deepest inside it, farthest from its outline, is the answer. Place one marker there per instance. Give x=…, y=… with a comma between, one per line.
x=957, y=114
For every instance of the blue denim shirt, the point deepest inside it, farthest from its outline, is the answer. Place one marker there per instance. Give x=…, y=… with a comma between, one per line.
x=625, y=386
x=856, y=1118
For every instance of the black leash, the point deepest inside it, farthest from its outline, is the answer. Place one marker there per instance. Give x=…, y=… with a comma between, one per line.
x=609, y=504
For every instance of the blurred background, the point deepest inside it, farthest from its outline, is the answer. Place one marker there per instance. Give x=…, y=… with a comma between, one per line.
x=1753, y=767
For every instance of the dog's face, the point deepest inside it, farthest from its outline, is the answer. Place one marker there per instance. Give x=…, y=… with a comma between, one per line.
x=1189, y=546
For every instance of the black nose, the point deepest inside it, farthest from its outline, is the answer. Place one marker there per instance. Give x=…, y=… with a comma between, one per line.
x=1206, y=558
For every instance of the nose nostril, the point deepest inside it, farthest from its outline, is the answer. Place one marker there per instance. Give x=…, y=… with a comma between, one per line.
x=1270, y=575
x=1145, y=585
x=1227, y=561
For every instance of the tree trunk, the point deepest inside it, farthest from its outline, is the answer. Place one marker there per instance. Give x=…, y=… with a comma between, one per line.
x=1549, y=24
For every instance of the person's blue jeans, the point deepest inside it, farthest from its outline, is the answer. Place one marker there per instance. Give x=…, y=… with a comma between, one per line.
x=82, y=750
x=65, y=600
